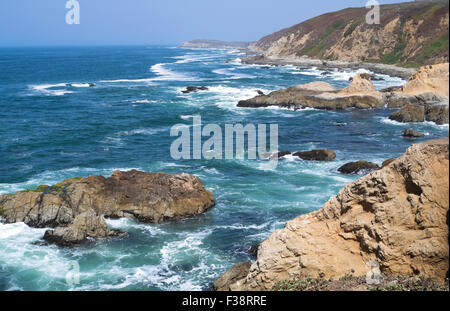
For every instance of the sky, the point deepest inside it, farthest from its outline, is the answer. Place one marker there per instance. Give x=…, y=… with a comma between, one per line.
x=146, y=22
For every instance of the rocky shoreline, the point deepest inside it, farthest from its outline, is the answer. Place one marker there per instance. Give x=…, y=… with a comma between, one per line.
x=75, y=208
x=394, y=219
x=306, y=62
x=424, y=97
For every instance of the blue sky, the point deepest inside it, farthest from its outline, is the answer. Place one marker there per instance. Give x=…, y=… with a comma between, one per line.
x=136, y=22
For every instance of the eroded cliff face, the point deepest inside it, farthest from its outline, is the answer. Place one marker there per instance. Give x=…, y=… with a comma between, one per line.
x=396, y=216
x=409, y=33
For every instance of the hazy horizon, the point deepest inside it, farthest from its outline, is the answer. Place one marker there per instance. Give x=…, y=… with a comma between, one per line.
x=119, y=23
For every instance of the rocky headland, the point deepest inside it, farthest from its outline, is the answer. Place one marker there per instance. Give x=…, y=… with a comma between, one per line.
x=394, y=219
x=75, y=208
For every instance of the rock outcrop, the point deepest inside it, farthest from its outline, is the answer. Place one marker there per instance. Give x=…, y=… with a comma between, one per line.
x=410, y=133
x=316, y=155
x=146, y=197
x=86, y=225
x=409, y=113
x=395, y=217
x=357, y=167
x=423, y=98
x=432, y=79
x=321, y=95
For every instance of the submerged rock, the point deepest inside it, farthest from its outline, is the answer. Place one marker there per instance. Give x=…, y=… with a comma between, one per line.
x=146, y=197
x=395, y=218
x=317, y=155
x=412, y=133
x=357, y=167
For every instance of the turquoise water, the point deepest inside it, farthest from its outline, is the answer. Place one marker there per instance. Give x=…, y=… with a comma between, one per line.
x=54, y=126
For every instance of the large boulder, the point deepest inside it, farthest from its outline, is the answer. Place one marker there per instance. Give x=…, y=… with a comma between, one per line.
x=146, y=197
x=316, y=155
x=357, y=167
x=409, y=113
x=394, y=219
x=437, y=114
x=410, y=133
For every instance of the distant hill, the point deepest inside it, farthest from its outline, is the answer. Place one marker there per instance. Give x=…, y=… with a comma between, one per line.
x=215, y=44
x=410, y=34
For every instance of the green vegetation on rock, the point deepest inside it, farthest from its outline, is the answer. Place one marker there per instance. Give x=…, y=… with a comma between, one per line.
x=57, y=189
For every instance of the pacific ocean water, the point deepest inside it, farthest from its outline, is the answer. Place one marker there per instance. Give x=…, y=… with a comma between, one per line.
x=53, y=126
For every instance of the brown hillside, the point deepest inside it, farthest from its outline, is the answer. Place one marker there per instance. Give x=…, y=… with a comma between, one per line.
x=409, y=34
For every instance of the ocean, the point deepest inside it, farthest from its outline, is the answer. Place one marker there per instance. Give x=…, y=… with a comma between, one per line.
x=54, y=125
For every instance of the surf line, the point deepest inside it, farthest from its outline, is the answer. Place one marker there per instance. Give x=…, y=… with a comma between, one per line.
x=193, y=301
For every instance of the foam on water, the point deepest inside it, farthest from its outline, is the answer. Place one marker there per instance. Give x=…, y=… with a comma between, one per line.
x=100, y=128
x=51, y=89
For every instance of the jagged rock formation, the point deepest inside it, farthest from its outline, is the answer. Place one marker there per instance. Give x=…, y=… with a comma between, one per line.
x=320, y=95
x=423, y=98
x=413, y=34
x=396, y=216
x=146, y=197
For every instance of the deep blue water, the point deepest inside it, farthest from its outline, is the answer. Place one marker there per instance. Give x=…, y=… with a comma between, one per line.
x=53, y=126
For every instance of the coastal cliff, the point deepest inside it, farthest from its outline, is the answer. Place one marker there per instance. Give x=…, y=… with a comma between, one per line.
x=409, y=34
x=395, y=217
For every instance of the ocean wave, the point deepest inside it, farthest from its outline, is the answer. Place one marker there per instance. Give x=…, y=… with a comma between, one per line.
x=165, y=74
x=192, y=57
x=229, y=72
x=51, y=89
x=80, y=85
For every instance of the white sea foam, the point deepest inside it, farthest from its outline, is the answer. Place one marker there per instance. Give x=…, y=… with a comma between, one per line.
x=80, y=85
x=144, y=101
x=51, y=89
x=192, y=57
x=231, y=74
x=165, y=74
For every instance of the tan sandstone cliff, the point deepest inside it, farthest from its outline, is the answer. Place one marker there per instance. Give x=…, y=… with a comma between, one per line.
x=396, y=216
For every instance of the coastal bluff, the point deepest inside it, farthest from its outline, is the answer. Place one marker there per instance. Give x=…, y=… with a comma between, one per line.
x=410, y=34
x=76, y=207
x=396, y=217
